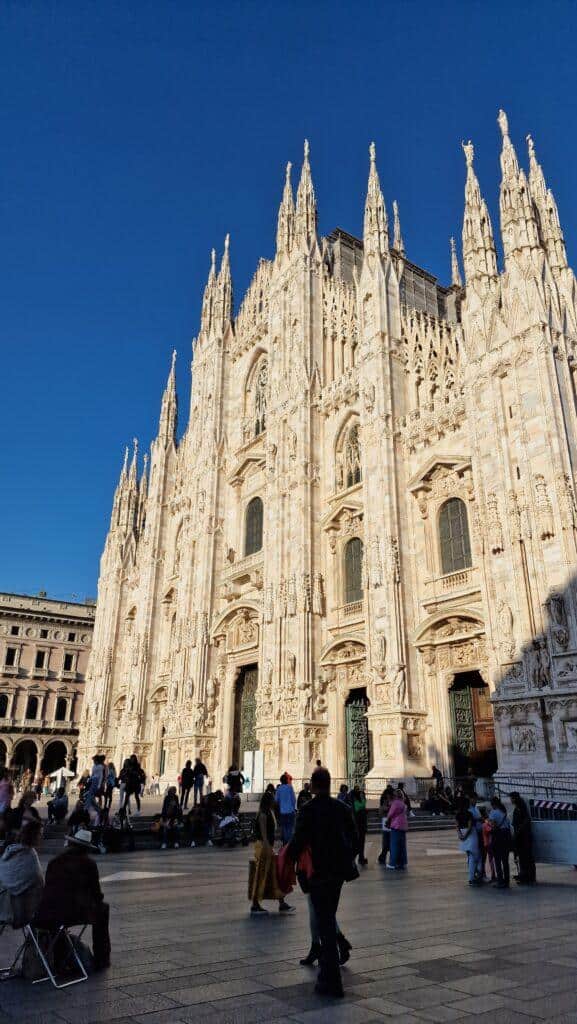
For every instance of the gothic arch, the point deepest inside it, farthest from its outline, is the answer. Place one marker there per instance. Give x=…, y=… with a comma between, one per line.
x=348, y=453
x=228, y=615
x=428, y=626
x=341, y=641
x=256, y=393
x=159, y=695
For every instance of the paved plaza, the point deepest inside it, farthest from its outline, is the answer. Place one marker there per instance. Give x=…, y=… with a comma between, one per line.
x=426, y=947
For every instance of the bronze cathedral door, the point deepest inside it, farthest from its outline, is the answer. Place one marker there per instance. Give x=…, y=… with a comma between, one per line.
x=245, y=713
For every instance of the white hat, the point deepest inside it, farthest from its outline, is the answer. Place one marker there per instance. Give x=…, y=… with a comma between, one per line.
x=82, y=838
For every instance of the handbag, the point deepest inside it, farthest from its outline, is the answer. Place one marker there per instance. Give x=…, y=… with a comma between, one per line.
x=305, y=869
x=285, y=871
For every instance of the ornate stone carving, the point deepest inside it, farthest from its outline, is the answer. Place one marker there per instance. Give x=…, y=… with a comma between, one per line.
x=523, y=739
x=505, y=625
x=318, y=594
x=292, y=595
x=540, y=664
x=544, y=510
x=558, y=619
x=494, y=528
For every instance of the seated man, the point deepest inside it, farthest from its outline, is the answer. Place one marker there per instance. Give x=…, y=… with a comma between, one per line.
x=58, y=807
x=79, y=818
x=72, y=895
x=21, y=878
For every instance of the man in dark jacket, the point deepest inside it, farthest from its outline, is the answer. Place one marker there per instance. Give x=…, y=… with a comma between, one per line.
x=200, y=773
x=326, y=826
x=186, y=782
x=72, y=895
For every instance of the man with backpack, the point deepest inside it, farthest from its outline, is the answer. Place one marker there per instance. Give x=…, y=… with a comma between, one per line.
x=134, y=781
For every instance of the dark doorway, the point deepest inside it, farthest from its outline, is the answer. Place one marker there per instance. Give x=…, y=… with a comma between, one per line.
x=54, y=757
x=357, y=730
x=25, y=756
x=473, y=727
x=162, y=753
x=3, y=754
x=245, y=713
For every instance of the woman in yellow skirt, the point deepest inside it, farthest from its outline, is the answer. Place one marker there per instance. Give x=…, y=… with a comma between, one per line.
x=263, y=884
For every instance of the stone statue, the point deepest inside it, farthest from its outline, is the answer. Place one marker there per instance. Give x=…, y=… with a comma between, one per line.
x=469, y=151
x=380, y=653
x=494, y=528
x=399, y=682
x=267, y=678
x=558, y=617
x=541, y=664
x=306, y=690
x=318, y=607
x=211, y=692
x=544, y=510
x=189, y=689
x=291, y=667
x=505, y=624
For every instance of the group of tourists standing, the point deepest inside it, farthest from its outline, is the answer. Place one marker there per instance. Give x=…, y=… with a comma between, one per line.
x=488, y=837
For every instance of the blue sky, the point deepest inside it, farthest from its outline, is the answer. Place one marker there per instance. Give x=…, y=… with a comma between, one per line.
x=136, y=134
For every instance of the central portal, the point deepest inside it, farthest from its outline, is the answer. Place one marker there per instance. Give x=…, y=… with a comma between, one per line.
x=245, y=713
x=357, y=727
x=473, y=729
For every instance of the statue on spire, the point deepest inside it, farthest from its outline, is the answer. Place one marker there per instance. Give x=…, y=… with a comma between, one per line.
x=376, y=228
x=286, y=217
x=398, y=243
x=469, y=151
x=503, y=122
x=306, y=206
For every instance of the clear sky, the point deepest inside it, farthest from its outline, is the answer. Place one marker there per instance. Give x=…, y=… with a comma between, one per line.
x=136, y=134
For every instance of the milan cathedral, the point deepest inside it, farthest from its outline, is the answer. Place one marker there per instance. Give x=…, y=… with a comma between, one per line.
x=363, y=547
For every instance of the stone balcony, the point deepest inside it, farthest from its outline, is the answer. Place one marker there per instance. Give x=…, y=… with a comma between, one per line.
x=444, y=588
x=68, y=674
x=10, y=670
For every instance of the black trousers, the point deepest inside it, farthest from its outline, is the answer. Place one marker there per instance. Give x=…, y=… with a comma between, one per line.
x=325, y=899
x=184, y=795
x=501, y=847
x=527, y=870
x=98, y=916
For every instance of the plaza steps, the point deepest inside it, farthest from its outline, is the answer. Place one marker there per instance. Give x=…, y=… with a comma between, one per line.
x=54, y=835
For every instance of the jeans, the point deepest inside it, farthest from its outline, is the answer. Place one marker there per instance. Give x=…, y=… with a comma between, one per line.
x=184, y=795
x=325, y=899
x=287, y=827
x=475, y=866
x=198, y=788
x=398, y=858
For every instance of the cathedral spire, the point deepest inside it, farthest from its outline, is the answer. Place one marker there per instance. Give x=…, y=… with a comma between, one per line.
x=169, y=407
x=224, y=285
x=479, y=255
x=398, y=243
x=376, y=228
x=306, y=208
x=547, y=213
x=286, y=217
x=518, y=223
x=133, y=474
x=209, y=296
x=455, y=272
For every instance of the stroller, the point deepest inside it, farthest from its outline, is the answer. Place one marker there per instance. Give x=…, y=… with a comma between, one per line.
x=228, y=832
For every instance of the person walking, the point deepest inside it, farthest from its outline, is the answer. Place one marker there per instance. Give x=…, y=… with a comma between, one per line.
x=470, y=843
x=110, y=785
x=500, y=841
x=95, y=788
x=398, y=824
x=523, y=841
x=343, y=944
x=359, y=809
x=387, y=797
x=263, y=884
x=133, y=784
x=170, y=818
x=326, y=827
x=200, y=774
x=186, y=784
x=287, y=805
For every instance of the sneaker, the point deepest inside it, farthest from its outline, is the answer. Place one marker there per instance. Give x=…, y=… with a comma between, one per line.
x=256, y=911
x=176, y=846
x=285, y=908
x=210, y=843
x=390, y=867
x=163, y=847
x=192, y=845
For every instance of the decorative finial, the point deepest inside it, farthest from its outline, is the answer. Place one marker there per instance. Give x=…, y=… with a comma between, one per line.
x=398, y=243
x=455, y=272
x=125, y=464
x=307, y=149
x=531, y=147
x=503, y=123
x=145, y=460
x=173, y=364
x=135, y=443
x=288, y=172
x=226, y=242
x=372, y=152
x=469, y=151
x=213, y=261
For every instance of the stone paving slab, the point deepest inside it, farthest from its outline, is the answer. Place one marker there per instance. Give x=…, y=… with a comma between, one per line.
x=426, y=948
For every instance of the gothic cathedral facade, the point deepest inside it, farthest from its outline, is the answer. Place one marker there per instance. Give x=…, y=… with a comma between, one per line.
x=362, y=549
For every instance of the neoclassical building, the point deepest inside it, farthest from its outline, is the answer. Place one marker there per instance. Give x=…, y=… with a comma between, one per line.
x=362, y=548
x=44, y=651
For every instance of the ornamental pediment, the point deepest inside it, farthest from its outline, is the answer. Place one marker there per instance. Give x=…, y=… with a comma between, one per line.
x=347, y=516
x=249, y=464
x=437, y=469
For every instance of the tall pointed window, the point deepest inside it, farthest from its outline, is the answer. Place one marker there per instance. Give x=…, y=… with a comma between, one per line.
x=454, y=539
x=253, y=527
x=353, y=570
x=260, y=398
x=353, y=474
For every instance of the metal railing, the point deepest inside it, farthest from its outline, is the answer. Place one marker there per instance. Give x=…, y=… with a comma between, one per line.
x=539, y=785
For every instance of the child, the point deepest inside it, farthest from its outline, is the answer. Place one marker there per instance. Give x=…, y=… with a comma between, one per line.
x=469, y=844
x=487, y=852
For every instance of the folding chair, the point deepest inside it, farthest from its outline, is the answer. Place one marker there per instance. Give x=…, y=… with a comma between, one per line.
x=33, y=936
x=12, y=971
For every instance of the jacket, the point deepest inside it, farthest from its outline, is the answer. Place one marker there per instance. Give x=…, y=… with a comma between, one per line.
x=187, y=778
x=199, y=770
x=71, y=889
x=326, y=826
x=398, y=815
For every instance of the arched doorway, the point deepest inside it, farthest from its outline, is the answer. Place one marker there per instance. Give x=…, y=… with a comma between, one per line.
x=245, y=713
x=357, y=736
x=25, y=756
x=474, y=747
x=54, y=757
